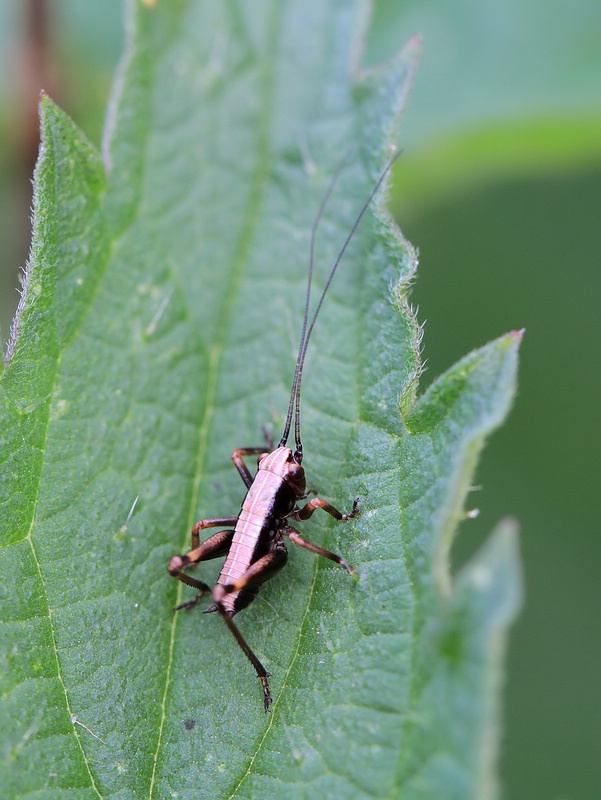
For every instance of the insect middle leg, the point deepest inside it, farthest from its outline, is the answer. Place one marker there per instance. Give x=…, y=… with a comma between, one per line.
x=216, y=522
x=215, y=546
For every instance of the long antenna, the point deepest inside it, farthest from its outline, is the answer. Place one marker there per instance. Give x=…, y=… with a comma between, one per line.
x=316, y=222
x=306, y=335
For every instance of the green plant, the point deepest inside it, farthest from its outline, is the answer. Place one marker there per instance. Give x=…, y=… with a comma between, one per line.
x=157, y=332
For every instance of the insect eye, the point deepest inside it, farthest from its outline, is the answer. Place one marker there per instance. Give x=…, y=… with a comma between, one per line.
x=295, y=470
x=262, y=457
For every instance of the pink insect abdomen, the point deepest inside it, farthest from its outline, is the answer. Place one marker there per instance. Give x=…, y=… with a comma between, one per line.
x=255, y=519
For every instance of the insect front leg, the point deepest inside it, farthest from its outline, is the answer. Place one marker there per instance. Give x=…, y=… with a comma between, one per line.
x=307, y=510
x=215, y=546
x=296, y=538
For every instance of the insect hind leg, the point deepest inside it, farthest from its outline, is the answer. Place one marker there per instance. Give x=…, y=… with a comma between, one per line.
x=262, y=673
x=259, y=572
x=215, y=546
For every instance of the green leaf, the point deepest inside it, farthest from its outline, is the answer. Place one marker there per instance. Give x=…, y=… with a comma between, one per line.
x=157, y=331
x=524, y=108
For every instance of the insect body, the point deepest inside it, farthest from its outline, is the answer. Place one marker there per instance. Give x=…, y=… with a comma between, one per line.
x=253, y=541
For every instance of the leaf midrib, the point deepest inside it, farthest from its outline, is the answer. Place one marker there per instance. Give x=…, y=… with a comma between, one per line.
x=225, y=316
x=59, y=673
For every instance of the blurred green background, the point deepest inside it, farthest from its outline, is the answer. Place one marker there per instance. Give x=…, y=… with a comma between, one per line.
x=500, y=188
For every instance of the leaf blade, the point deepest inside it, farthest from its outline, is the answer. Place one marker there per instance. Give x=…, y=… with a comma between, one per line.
x=68, y=179
x=170, y=362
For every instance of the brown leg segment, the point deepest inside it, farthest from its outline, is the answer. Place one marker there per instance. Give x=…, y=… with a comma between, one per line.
x=241, y=466
x=296, y=538
x=268, y=436
x=215, y=546
x=259, y=572
x=262, y=673
x=216, y=522
x=307, y=510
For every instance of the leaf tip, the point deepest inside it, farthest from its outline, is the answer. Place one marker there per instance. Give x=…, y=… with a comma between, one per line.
x=47, y=107
x=517, y=336
x=413, y=48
